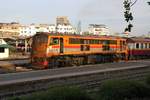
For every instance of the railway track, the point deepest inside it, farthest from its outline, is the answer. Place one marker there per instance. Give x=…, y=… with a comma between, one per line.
x=89, y=77
x=59, y=71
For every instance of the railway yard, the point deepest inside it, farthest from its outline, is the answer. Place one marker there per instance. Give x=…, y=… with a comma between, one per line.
x=60, y=59
x=86, y=76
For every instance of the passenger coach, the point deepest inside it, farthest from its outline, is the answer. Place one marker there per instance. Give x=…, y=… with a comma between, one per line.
x=139, y=48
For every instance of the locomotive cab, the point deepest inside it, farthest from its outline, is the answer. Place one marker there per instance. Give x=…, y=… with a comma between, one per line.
x=56, y=45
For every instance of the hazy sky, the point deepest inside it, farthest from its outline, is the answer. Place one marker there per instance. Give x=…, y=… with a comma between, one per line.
x=108, y=12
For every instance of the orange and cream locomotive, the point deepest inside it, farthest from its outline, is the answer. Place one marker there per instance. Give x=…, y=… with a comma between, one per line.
x=57, y=50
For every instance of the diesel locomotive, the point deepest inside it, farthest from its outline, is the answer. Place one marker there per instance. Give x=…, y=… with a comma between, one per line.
x=51, y=50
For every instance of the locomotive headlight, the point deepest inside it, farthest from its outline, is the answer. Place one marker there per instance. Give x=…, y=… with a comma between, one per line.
x=50, y=47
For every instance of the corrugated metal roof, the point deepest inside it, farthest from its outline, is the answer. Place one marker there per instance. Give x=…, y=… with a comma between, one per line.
x=6, y=46
x=138, y=39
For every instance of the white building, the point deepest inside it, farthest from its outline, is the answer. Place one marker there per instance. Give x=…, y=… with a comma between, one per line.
x=28, y=30
x=46, y=28
x=98, y=29
x=67, y=29
x=62, y=26
x=4, y=49
x=52, y=28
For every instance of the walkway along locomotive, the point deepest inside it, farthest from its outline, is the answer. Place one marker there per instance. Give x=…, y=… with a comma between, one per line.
x=58, y=50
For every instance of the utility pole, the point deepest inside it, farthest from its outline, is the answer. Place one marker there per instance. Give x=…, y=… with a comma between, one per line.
x=128, y=14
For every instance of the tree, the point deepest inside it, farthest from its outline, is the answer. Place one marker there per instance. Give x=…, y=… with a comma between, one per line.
x=127, y=14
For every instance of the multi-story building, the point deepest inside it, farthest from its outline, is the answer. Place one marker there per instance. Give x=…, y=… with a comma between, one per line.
x=63, y=25
x=9, y=29
x=46, y=28
x=27, y=30
x=32, y=29
x=98, y=29
x=65, y=29
x=62, y=20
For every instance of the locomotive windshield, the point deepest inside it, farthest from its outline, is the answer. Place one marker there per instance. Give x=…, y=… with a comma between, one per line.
x=54, y=41
x=40, y=39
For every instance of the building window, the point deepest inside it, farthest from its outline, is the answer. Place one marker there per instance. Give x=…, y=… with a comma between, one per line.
x=142, y=45
x=2, y=49
x=146, y=45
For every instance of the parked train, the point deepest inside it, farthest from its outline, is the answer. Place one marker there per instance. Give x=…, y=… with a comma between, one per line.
x=138, y=48
x=58, y=50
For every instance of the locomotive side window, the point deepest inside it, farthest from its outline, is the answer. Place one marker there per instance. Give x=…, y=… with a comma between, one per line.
x=137, y=45
x=91, y=41
x=74, y=41
x=96, y=41
x=84, y=41
x=113, y=42
x=54, y=41
x=105, y=42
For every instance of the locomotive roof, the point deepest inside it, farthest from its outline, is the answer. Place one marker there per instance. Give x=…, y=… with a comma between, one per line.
x=138, y=39
x=77, y=35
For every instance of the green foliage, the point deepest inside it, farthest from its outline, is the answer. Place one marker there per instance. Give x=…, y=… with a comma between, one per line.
x=61, y=93
x=128, y=15
x=109, y=90
x=68, y=93
x=121, y=90
x=15, y=98
x=148, y=80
